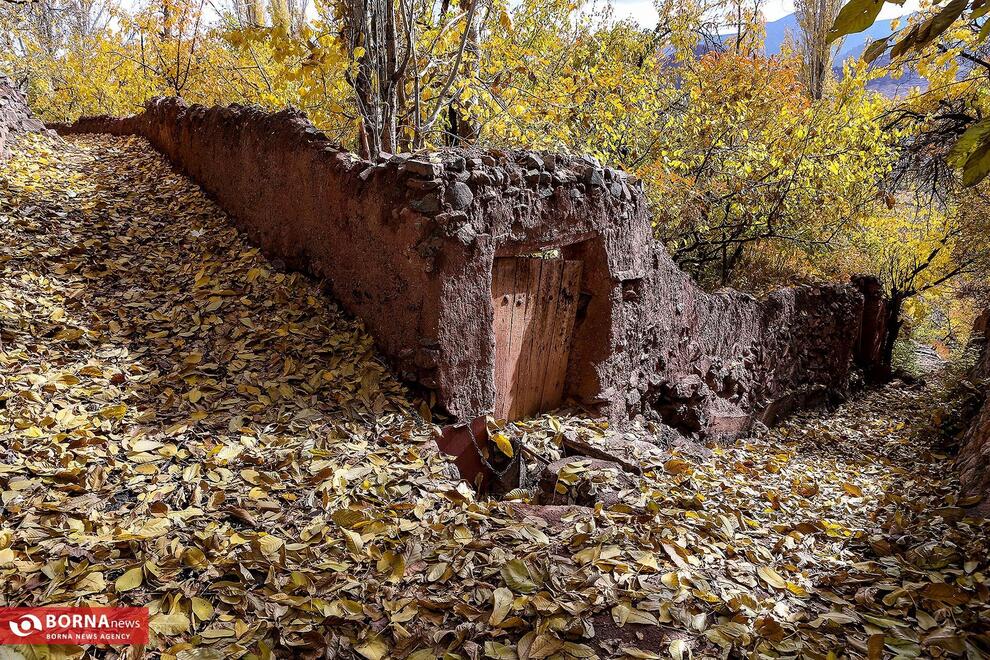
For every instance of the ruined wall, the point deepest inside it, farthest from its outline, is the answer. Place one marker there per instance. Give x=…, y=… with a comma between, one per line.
x=868, y=353
x=15, y=116
x=714, y=363
x=407, y=245
x=974, y=452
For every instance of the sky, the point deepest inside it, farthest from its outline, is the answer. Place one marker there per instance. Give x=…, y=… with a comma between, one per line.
x=643, y=12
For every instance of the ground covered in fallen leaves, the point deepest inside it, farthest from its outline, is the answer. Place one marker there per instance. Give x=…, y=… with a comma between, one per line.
x=184, y=426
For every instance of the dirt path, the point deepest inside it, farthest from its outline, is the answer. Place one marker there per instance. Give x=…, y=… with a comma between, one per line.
x=185, y=427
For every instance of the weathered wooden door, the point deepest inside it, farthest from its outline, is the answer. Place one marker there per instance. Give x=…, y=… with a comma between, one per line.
x=535, y=302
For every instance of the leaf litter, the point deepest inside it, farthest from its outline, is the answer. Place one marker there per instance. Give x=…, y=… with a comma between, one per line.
x=187, y=427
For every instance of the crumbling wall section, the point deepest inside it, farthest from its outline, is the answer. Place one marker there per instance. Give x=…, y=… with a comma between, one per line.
x=868, y=353
x=713, y=363
x=407, y=245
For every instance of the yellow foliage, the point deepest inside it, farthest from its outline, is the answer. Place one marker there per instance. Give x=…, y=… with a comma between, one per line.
x=739, y=165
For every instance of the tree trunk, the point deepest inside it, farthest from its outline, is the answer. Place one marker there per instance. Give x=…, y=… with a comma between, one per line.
x=388, y=65
x=297, y=16
x=815, y=19
x=370, y=25
x=467, y=126
x=892, y=331
x=280, y=16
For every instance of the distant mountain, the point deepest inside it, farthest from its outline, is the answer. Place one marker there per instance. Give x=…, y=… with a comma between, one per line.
x=892, y=87
x=853, y=45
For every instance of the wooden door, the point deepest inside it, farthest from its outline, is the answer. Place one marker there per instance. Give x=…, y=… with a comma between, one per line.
x=535, y=301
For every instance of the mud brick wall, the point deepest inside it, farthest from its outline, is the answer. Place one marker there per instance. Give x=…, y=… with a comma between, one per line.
x=407, y=245
x=868, y=352
x=974, y=452
x=15, y=117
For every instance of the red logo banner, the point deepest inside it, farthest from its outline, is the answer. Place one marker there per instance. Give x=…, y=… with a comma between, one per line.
x=73, y=625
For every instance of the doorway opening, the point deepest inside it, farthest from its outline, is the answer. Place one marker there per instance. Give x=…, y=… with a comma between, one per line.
x=535, y=301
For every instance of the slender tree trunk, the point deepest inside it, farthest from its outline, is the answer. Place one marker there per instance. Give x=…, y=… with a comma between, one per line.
x=297, y=16
x=815, y=18
x=166, y=21
x=43, y=22
x=280, y=17
x=254, y=13
x=453, y=136
x=467, y=126
x=387, y=69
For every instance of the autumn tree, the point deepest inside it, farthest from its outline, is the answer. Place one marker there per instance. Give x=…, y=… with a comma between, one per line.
x=297, y=16
x=932, y=243
x=919, y=248
x=815, y=18
x=372, y=34
x=751, y=163
x=930, y=41
x=249, y=13
x=746, y=19
x=413, y=65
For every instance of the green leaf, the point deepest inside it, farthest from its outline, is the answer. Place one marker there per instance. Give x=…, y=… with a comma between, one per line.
x=984, y=31
x=967, y=142
x=977, y=165
x=921, y=35
x=905, y=43
x=940, y=22
x=971, y=153
x=855, y=16
x=876, y=49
